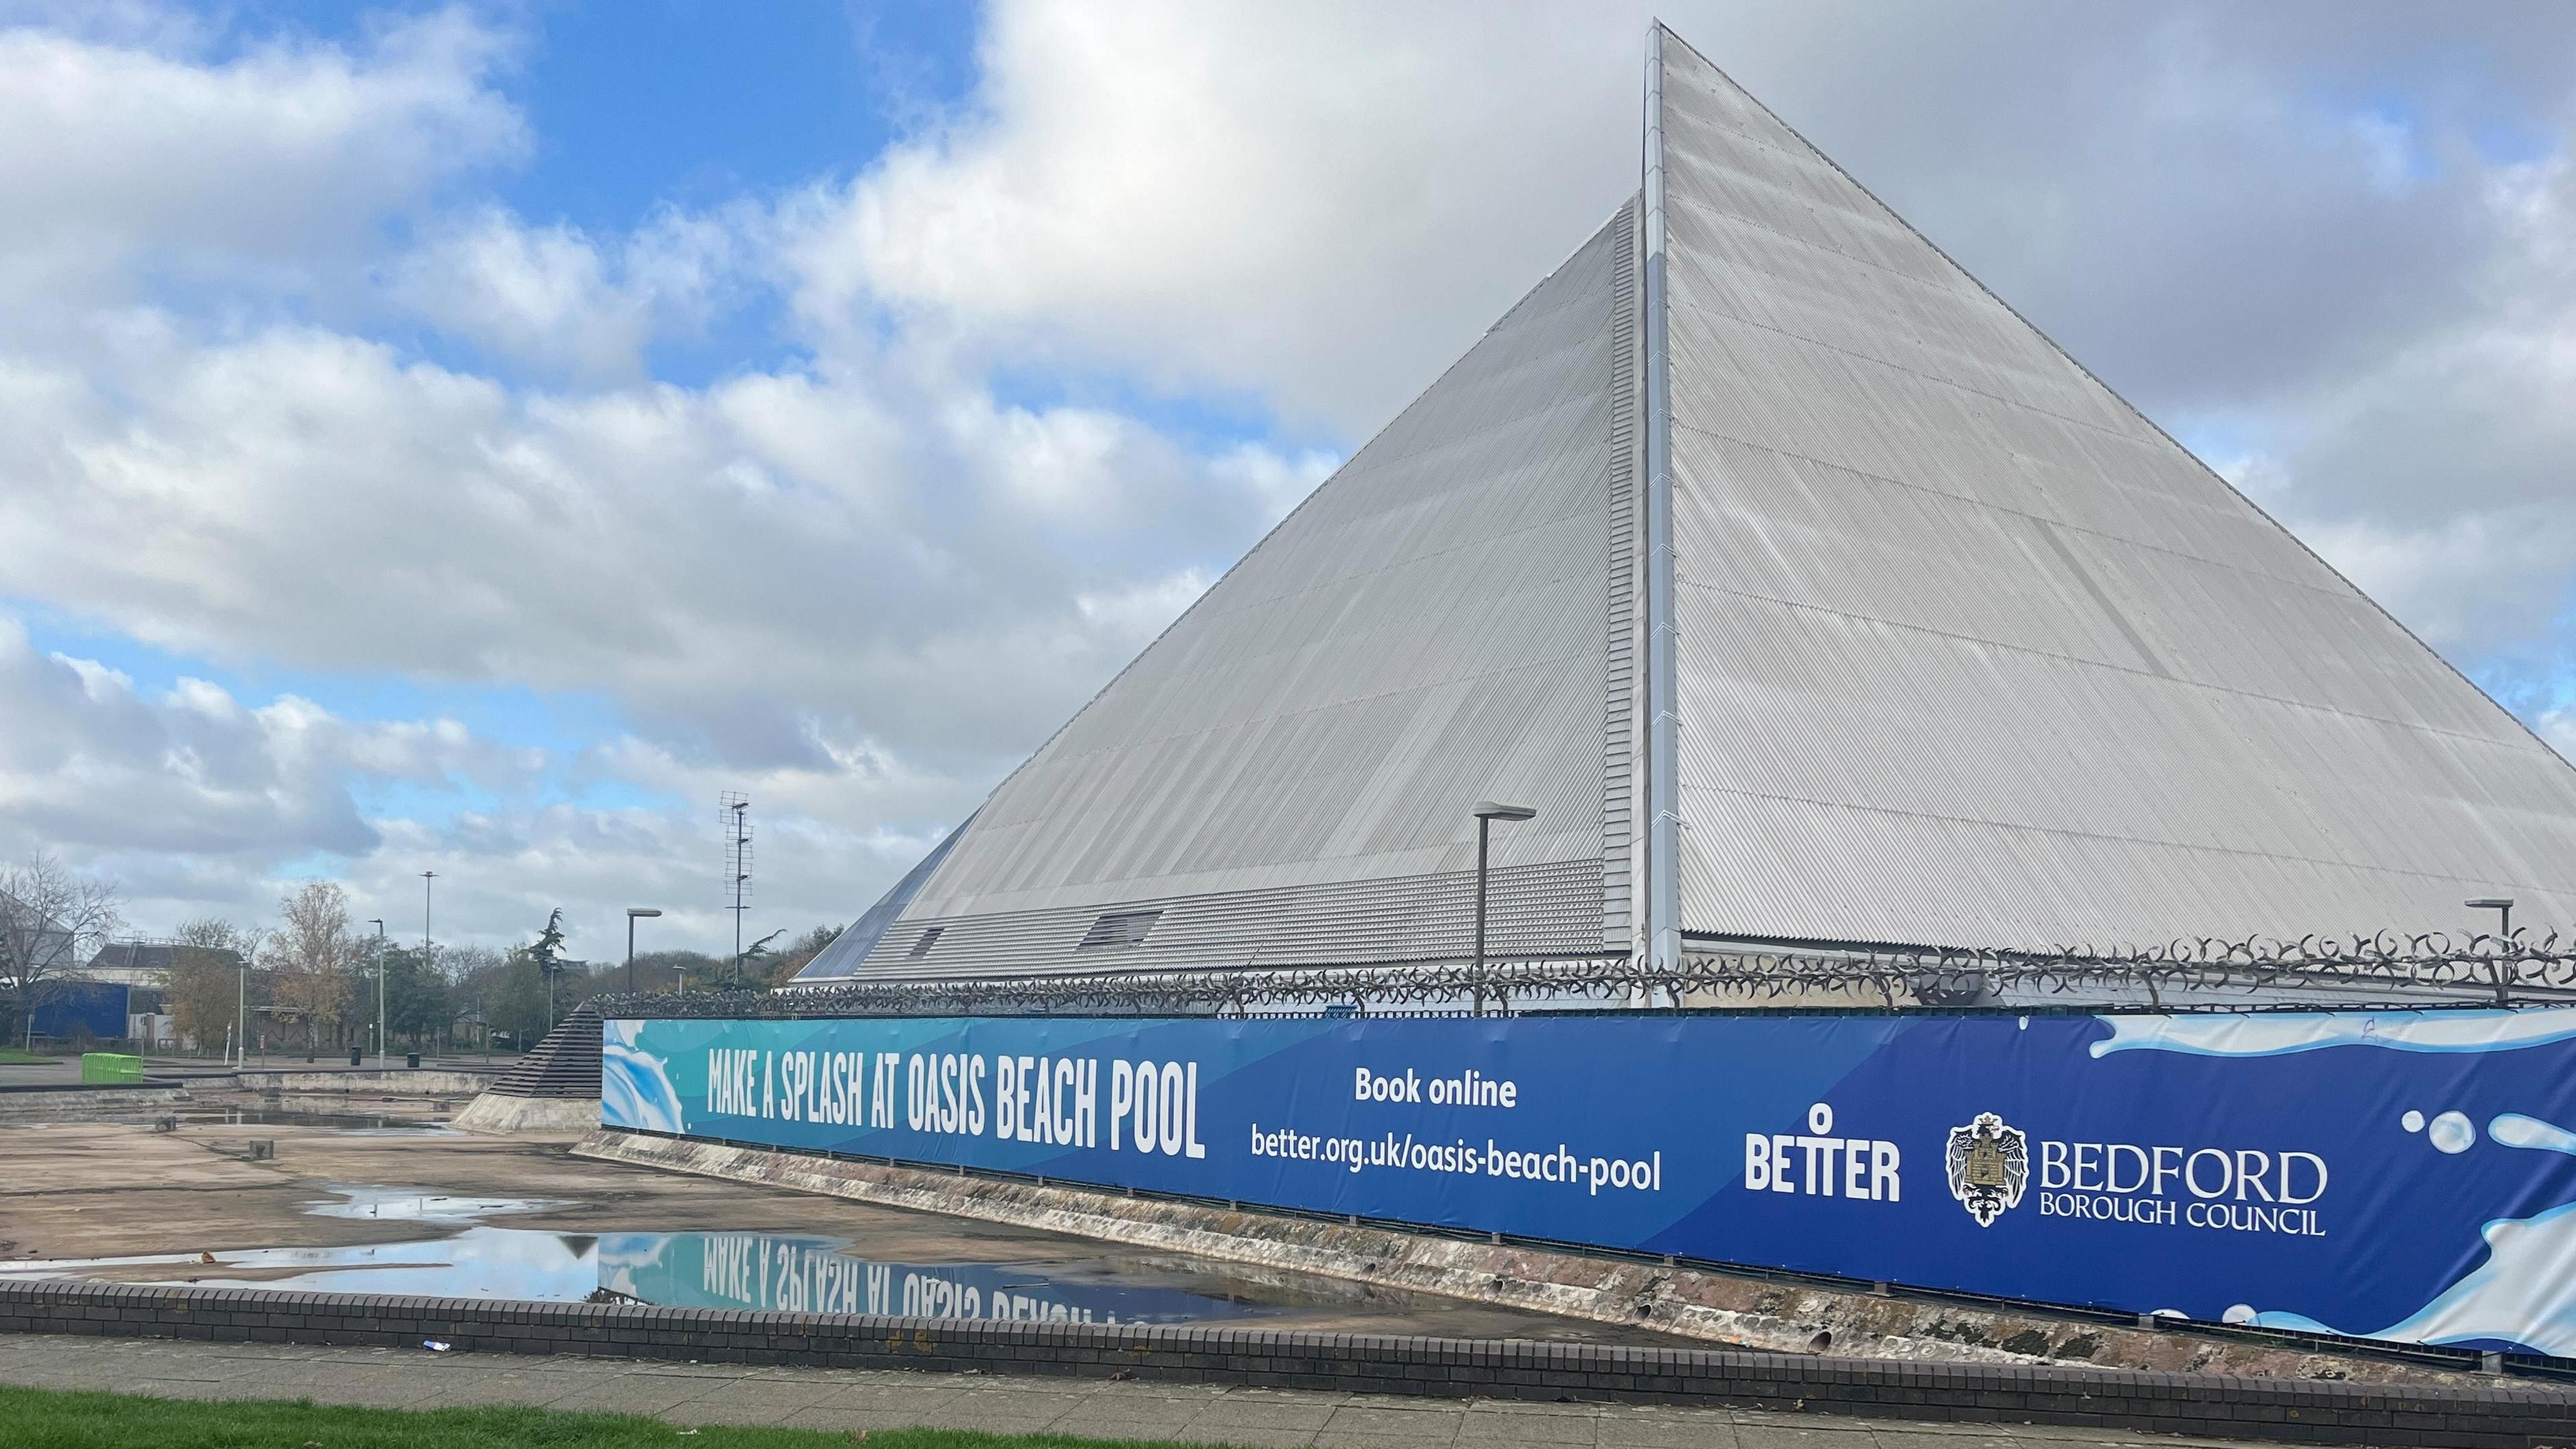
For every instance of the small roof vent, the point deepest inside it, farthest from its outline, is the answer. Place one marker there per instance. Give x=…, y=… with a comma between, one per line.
x=928, y=939
x=1119, y=930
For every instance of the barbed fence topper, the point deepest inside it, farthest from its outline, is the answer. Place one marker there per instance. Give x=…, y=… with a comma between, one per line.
x=2206, y=974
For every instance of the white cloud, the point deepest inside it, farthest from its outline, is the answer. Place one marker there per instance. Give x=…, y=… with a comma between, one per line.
x=871, y=548
x=561, y=300
x=863, y=584
x=501, y=873
x=123, y=156
x=1322, y=203
x=2435, y=472
x=2558, y=727
x=196, y=803
x=95, y=767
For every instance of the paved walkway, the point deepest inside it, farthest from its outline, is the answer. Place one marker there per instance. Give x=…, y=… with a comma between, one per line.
x=843, y=1399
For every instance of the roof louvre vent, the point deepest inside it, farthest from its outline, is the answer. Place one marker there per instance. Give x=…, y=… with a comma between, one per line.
x=1119, y=930
x=928, y=939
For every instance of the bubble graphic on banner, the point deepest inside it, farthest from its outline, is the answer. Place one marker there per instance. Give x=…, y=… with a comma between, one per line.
x=2413, y=1121
x=2513, y=1296
x=2451, y=1132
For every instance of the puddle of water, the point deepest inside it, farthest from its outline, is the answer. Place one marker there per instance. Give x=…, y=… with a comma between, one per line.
x=413, y=1204
x=816, y=1275
x=354, y=1124
x=683, y=1270
x=794, y=1272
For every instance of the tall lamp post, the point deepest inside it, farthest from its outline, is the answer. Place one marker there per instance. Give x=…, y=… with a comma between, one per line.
x=1487, y=812
x=741, y=874
x=631, y=913
x=425, y=878
x=2503, y=907
x=380, y=991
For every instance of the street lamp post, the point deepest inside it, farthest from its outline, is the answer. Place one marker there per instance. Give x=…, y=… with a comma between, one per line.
x=381, y=1061
x=1487, y=812
x=425, y=878
x=2503, y=907
x=631, y=913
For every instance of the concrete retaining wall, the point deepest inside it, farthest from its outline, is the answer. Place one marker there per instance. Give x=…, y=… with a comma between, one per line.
x=1733, y=1309
x=2502, y=1417
x=492, y=1112
x=391, y=1081
x=49, y=1100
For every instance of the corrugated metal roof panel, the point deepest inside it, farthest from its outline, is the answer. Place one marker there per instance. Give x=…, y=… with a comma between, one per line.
x=1429, y=629
x=1972, y=654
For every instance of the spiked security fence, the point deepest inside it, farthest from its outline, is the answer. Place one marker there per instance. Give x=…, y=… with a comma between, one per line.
x=2311, y=973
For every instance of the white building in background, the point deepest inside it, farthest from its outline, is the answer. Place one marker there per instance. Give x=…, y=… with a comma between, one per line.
x=1810, y=597
x=131, y=963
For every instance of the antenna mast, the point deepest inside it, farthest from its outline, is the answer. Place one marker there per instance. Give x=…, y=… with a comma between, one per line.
x=733, y=812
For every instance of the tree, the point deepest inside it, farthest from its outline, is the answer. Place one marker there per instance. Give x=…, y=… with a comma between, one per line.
x=800, y=953
x=547, y=954
x=752, y=966
x=473, y=975
x=50, y=921
x=516, y=1002
x=417, y=999
x=669, y=970
x=310, y=955
x=207, y=989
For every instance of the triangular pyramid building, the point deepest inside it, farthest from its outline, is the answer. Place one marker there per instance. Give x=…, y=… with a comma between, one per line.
x=1809, y=595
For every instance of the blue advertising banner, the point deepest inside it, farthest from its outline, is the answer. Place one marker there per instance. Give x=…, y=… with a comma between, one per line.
x=2404, y=1175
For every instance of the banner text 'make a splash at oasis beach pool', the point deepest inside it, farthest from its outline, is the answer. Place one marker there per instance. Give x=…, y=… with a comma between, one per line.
x=2405, y=1175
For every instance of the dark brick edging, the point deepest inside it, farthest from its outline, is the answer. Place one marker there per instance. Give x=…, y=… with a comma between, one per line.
x=2503, y=1417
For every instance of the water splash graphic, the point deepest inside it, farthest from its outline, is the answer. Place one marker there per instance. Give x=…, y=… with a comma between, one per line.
x=2272, y=1036
x=2515, y=1130
x=2518, y=1295
x=634, y=1090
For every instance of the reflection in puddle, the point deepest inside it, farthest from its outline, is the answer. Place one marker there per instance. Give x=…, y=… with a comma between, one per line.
x=681, y=1270
x=355, y=1124
x=814, y=1275
x=797, y=1273
x=413, y=1204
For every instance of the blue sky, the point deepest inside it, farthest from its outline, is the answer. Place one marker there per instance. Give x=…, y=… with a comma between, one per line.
x=471, y=436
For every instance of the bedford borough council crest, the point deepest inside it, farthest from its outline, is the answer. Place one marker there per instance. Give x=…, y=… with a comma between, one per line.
x=1989, y=1165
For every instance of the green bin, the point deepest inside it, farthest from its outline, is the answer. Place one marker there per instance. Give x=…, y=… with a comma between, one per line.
x=110, y=1067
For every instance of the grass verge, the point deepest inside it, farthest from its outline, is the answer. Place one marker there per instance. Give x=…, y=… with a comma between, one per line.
x=49, y=1419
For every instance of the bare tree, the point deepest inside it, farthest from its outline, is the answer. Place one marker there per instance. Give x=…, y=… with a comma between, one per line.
x=207, y=990
x=50, y=921
x=309, y=956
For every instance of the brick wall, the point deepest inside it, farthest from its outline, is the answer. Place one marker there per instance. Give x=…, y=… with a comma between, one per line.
x=2503, y=1417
